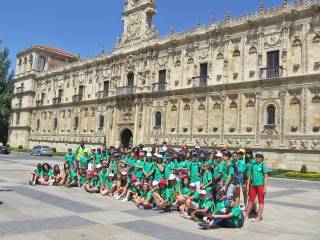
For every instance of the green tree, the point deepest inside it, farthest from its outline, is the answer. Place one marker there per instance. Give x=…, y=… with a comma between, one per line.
x=6, y=82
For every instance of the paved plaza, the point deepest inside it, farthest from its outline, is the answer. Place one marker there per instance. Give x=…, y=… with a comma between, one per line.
x=27, y=212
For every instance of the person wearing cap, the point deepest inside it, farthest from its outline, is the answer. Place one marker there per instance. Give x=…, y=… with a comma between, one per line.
x=98, y=156
x=133, y=189
x=194, y=169
x=228, y=174
x=163, y=197
x=83, y=162
x=217, y=174
x=145, y=197
x=93, y=182
x=92, y=155
x=110, y=185
x=206, y=179
x=122, y=188
x=232, y=219
x=148, y=169
x=191, y=202
x=158, y=168
x=257, y=185
x=69, y=157
x=180, y=165
x=197, y=149
x=205, y=207
x=249, y=160
x=138, y=166
x=81, y=176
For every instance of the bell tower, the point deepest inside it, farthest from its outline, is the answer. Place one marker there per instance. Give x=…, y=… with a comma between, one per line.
x=137, y=20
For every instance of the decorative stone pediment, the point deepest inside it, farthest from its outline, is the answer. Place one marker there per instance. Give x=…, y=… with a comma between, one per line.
x=272, y=39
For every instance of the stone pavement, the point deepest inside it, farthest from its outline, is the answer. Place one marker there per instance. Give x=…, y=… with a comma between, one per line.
x=292, y=212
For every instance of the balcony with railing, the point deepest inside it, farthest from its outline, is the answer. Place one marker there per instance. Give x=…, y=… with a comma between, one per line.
x=101, y=94
x=126, y=90
x=56, y=100
x=200, y=81
x=39, y=103
x=271, y=72
x=77, y=98
x=159, y=86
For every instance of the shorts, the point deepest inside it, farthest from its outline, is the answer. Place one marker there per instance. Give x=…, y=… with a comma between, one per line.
x=230, y=191
x=194, y=205
x=254, y=191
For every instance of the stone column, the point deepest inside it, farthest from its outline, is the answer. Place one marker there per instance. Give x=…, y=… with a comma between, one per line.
x=282, y=116
x=222, y=109
x=207, y=114
x=193, y=99
x=257, y=114
x=304, y=110
x=178, y=115
x=240, y=114
x=165, y=120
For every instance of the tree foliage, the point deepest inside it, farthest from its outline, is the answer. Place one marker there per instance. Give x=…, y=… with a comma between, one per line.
x=6, y=84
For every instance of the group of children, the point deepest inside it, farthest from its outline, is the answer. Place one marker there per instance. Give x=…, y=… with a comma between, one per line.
x=215, y=188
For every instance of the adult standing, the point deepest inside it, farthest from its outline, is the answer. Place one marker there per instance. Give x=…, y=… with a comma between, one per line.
x=80, y=151
x=257, y=183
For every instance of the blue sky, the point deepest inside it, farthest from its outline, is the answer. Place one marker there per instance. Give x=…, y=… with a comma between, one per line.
x=85, y=27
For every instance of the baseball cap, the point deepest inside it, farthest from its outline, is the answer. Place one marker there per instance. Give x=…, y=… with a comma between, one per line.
x=219, y=155
x=133, y=178
x=193, y=185
x=124, y=173
x=141, y=154
x=259, y=153
x=242, y=150
x=197, y=147
x=172, y=177
x=99, y=166
x=111, y=175
x=163, y=181
x=202, y=192
x=137, y=183
x=149, y=154
x=194, y=154
x=155, y=183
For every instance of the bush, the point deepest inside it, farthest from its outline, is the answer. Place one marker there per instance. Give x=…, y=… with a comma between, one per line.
x=303, y=175
x=7, y=146
x=20, y=147
x=304, y=169
x=54, y=150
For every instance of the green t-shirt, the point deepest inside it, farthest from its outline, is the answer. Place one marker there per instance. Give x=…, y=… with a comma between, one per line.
x=205, y=179
x=91, y=156
x=138, y=166
x=48, y=173
x=241, y=164
x=109, y=184
x=38, y=172
x=228, y=170
x=148, y=167
x=237, y=215
x=97, y=159
x=146, y=195
x=195, y=195
x=69, y=157
x=184, y=190
x=83, y=161
x=248, y=167
x=205, y=203
x=194, y=171
x=157, y=173
x=94, y=182
x=221, y=206
x=82, y=180
x=73, y=175
x=169, y=194
x=168, y=169
x=103, y=177
x=218, y=169
x=257, y=173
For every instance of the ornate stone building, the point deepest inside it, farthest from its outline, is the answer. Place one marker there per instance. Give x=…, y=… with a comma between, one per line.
x=251, y=81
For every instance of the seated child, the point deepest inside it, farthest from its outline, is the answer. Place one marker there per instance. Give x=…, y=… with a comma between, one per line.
x=163, y=197
x=66, y=174
x=72, y=180
x=35, y=175
x=93, y=182
x=121, y=190
x=144, y=200
x=56, y=175
x=46, y=175
x=133, y=189
x=81, y=177
x=109, y=187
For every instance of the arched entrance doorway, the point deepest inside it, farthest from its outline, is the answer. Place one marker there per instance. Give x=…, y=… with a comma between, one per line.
x=126, y=137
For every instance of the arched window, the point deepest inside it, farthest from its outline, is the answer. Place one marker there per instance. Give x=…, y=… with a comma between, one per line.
x=55, y=123
x=38, y=123
x=130, y=79
x=271, y=115
x=101, y=122
x=158, y=119
x=76, y=123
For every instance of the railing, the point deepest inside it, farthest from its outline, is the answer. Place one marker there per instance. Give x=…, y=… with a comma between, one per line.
x=159, y=86
x=56, y=100
x=77, y=98
x=19, y=90
x=271, y=72
x=101, y=94
x=39, y=103
x=126, y=90
x=200, y=81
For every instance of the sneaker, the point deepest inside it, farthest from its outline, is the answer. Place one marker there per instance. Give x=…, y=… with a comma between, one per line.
x=117, y=197
x=242, y=207
x=124, y=200
x=186, y=216
x=204, y=225
x=140, y=207
x=256, y=220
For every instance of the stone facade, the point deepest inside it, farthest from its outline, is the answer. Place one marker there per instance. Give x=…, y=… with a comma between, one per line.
x=252, y=81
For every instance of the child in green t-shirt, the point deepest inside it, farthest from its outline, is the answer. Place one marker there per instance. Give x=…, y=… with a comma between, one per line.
x=35, y=175
x=144, y=200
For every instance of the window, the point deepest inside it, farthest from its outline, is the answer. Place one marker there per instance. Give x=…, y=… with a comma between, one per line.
x=38, y=123
x=203, y=74
x=101, y=122
x=76, y=123
x=81, y=90
x=158, y=119
x=105, y=88
x=130, y=79
x=271, y=115
x=162, y=80
x=55, y=123
x=17, y=118
x=41, y=63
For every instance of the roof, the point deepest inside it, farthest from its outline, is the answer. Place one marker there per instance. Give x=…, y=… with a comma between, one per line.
x=50, y=49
